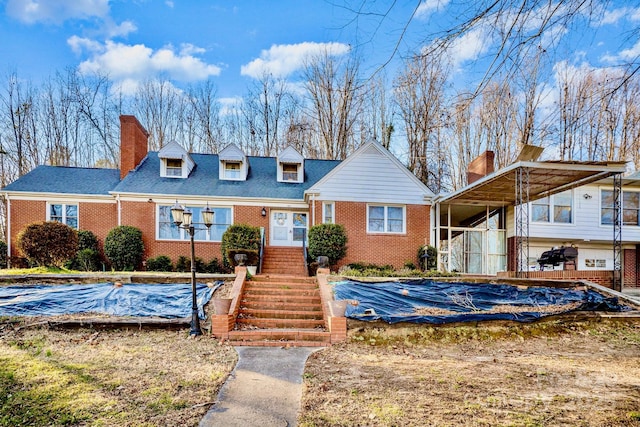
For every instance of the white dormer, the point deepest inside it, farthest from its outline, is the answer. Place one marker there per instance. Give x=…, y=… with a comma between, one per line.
x=175, y=161
x=234, y=165
x=290, y=166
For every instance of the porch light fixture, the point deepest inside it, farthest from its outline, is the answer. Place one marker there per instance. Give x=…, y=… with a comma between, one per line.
x=263, y=212
x=587, y=196
x=183, y=218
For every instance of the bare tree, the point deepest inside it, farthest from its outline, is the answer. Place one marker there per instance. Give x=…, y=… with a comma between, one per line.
x=333, y=89
x=420, y=96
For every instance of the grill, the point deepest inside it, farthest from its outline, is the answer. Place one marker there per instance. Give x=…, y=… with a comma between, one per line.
x=556, y=256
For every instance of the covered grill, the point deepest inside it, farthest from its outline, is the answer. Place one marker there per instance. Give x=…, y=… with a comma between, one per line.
x=558, y=255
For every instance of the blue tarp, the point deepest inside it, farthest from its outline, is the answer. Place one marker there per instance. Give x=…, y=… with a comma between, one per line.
x=403, y=301
x=172, y=300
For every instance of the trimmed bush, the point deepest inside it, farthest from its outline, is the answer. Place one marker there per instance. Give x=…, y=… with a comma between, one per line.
x=241, y=238
x=48, y=243
x=124, y=247
x=328, y=240
x=159, y=263
x=87, y=260
x=184, y=264
x=90, y=259
x=215, y=266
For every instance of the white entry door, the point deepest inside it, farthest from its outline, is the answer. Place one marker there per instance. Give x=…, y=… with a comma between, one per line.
x=288, y=228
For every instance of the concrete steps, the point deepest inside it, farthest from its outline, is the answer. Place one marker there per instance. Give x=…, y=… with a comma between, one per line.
x=280, y=311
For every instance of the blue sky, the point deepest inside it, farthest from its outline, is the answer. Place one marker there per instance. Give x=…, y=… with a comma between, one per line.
x=232, y=41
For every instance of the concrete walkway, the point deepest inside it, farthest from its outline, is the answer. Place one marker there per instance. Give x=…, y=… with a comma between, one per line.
x=263, y=390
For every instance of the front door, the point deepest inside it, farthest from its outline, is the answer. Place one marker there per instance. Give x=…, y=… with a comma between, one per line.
x=288, y=228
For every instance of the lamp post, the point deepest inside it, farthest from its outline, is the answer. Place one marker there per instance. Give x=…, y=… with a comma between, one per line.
x=183, y=218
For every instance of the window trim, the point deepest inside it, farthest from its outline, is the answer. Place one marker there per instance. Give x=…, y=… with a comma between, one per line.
x=333, y=212
x=183, y=234
x=386, y=219
x=64, y=213
x=238, y=171
x=623, y=191
x=551, y=205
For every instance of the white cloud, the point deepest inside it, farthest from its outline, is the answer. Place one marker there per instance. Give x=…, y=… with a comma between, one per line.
x=55, y=11
x=282, y=60
x=126, y=63
x=119, y=30
x=229, y=105
x=427, y=7
x=613, y=16
x=624, y=55
x=469, y=47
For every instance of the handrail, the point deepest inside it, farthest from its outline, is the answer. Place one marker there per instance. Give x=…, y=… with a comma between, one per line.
x=261, y=254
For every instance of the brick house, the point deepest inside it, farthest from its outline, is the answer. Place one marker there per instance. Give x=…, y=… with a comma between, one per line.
x=383, y=206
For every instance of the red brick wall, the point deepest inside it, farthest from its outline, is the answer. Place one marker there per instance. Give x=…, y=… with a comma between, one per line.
x=630, y=268
x=602, y=277
x=23, y=213
x=380, y=249
x=96, y=217
x=133, y=144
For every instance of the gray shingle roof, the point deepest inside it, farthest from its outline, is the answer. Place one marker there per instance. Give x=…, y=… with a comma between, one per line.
x=67, y=180
x=203, y=180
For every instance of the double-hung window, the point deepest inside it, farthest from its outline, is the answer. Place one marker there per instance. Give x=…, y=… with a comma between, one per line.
x=556, y=208
x=328, y=213
x=630, y=208
x=167, y=230
x=385, y=219
x=290, y=172
x=64, y=213
x=174, y=167
x=232, y=170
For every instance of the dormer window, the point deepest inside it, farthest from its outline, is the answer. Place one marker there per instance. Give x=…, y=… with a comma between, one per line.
x=232, y=170
x=174, y=167
x=175, y=161
x=290, y=172
x=290, y=166
x=234, y=165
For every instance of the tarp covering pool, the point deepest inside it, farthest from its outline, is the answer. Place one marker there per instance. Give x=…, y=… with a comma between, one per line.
x=429, y=301
x=172, y=300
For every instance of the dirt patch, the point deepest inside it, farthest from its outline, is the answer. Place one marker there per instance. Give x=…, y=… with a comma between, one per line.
x=545, y=374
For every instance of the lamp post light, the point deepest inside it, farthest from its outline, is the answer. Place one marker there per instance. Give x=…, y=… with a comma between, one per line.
x=183, y=218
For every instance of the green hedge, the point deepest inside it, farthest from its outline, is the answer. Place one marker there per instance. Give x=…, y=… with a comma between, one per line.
x=241, y=238
x=328, y=240
x=124, y=247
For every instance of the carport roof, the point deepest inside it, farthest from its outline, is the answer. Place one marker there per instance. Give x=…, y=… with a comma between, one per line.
x=545, y=178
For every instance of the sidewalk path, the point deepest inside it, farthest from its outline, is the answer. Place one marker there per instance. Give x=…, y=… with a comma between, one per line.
x=264, y=389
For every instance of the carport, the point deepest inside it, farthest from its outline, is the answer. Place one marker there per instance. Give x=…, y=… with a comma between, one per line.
x=471, y=224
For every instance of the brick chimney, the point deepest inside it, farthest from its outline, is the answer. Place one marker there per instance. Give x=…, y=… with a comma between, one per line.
x=480, y=167
x=133, y=144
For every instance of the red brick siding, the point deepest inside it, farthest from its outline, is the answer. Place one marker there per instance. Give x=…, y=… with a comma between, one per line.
x=630, y=268
x=23, y=213
x=602, y=277
x=380, y=249
x=96, y=217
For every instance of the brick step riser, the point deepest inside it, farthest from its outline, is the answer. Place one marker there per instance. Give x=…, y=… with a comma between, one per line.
x=280, y=314
x=288, y=292
x=284, y=271
x=282, y=323
x=281, y=300
x=276, y=305
x=263, y=278
x=279, y=343
x=280, y=285
x=249, y=336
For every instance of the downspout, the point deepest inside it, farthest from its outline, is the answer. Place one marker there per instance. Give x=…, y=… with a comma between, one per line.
x=313, y=209
x=119, y=210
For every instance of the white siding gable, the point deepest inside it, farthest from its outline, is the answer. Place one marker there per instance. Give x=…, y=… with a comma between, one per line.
x=372, y=174
x=170, y=153
x=231, y=154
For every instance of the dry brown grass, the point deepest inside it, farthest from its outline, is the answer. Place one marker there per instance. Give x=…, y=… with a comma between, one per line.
x=546, y=374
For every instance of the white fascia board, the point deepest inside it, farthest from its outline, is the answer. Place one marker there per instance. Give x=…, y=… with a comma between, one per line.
x=52, y=197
